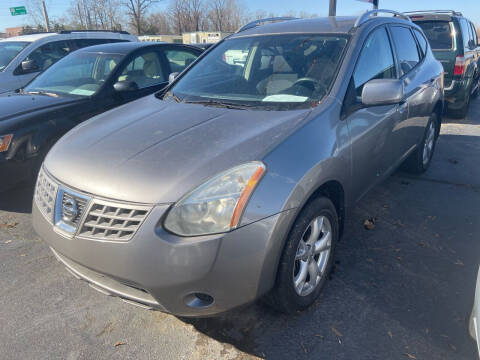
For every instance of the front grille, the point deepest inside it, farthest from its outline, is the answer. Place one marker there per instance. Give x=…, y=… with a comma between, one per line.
x=81, y=204
x=115, y=222
x=45, y=194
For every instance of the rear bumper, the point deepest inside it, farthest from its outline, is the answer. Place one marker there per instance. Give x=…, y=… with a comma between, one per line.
x=162, y=271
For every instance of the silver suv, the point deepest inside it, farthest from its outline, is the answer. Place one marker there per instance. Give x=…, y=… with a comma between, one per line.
x=235, y=181
x=24, y=57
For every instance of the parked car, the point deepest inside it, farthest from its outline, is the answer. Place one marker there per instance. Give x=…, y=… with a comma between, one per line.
x=454, y=41
x=81, y=85
x=24, y=57
x=235, y=181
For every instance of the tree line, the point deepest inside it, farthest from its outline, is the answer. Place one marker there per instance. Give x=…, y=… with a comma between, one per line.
x=144, y=17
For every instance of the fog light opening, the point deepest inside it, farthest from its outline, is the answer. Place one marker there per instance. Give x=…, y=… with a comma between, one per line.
x=199, y=300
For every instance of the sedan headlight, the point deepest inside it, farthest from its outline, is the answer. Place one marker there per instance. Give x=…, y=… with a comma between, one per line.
x=5, y=141
x=218, y=204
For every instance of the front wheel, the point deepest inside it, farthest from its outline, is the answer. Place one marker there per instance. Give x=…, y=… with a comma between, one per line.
x=419, y=161
x=307, y=258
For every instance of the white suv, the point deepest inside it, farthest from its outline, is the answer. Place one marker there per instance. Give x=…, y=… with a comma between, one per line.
x=23, y=57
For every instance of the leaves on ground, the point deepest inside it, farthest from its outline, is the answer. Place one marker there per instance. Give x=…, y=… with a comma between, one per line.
x=390, y=334
x=459, y=262
x=338, y=333
x=8, y=225
x=410, y=356
x=119, y=343
x=369, y=224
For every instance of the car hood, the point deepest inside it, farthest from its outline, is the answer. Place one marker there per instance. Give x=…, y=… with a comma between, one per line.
x=13, y=104
x=153, y=151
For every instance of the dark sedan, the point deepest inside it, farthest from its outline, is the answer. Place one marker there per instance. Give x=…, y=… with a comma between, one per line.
x=81, y=85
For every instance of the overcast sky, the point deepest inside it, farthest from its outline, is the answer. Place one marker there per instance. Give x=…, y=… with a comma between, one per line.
x=470, y=8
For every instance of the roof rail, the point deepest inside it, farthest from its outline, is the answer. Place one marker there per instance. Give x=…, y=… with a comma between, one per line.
x=447, y=12
x=256, y=23
x=368, y=15
x=109, y=31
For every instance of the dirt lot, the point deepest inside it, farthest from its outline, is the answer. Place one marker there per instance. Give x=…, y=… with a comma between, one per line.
x=401, y=291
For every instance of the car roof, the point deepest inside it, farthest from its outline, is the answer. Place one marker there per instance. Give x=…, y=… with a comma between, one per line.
x=125, y=47
x=30, y=37
x=72, y=35
x=323, y=25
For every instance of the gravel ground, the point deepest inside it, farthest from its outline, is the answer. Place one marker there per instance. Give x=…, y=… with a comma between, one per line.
x=403, y=290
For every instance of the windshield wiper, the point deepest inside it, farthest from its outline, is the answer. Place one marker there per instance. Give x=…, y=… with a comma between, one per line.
x=222, y=104
x=40, y=93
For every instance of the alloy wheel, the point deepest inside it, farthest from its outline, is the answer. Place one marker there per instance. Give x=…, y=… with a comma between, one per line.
x=312, y=255
x=428, y=144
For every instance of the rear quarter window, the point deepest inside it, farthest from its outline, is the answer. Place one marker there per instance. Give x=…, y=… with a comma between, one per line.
x=438, y=33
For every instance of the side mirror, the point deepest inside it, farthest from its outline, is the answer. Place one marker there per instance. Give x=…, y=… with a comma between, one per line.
x=172, y=77
x=382, y=92
x=125, y=86
x=29, y=66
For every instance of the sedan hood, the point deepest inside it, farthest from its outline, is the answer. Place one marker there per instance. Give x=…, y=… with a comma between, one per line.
x=153, y=151
x=13, y=105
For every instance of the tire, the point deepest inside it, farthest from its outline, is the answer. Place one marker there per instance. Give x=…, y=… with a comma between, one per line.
x=285, y=296
x=477, y=90
x=463, y=111
x=417, y=163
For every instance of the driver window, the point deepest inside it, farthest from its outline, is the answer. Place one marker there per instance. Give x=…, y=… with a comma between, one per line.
x=375, y=62
x=48, y=54
x=145, y=70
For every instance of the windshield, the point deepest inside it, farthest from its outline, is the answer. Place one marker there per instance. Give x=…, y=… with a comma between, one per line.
x=79, y=74
x=438, y=33
x=275, y=71
x=9, y=50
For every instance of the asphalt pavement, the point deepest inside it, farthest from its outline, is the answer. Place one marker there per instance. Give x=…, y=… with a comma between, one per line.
x=403, y=290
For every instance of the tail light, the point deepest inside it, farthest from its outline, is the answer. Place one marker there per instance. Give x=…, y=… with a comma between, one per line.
x=459, y=66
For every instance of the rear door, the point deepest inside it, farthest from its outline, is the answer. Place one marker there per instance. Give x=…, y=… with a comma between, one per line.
x=416, y=79
x=371, y=127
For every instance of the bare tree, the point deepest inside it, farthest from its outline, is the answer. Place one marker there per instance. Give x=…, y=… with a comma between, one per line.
x=225, y=15
x=96, y=14
x=158, y=23
x=136, y=11
x=188, y=15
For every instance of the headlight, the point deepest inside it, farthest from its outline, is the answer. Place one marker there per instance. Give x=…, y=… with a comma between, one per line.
x=5, y=141
x=217, y=205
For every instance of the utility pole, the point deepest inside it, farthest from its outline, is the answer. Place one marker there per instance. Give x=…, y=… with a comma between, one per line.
x=45, y=16
x=332, y=11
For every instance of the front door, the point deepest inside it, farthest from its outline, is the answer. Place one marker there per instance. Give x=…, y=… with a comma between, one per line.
x=371, y=128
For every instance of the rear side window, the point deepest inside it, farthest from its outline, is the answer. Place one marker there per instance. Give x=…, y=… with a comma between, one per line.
x=439, y=34
x=375, y=61
x=474, y=32
x=465, y=32
x=406, y=48
x=421, y=41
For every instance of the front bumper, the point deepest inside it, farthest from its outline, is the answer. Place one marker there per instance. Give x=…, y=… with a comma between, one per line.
x=474, y=326
x=162, y=271
x=455, y=93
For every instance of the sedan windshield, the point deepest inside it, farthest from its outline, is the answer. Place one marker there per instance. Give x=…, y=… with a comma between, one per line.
x=275, y=71
x=79, y=74
x=9, y=50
